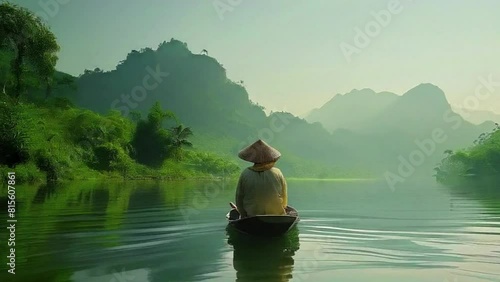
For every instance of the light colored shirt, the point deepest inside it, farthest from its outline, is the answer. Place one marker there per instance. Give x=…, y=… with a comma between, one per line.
x=261, y=192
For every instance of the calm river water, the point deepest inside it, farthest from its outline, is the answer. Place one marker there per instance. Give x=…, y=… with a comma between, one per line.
x=176, y=231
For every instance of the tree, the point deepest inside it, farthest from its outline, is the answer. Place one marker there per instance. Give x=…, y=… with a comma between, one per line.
x=60, y=81
x=33, y=44
x=179, y=137
x=135, y=116
x=151, y=142
x=5, y=73
x=157, y=115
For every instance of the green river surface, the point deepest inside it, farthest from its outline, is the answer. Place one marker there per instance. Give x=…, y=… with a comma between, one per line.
x=176, y=231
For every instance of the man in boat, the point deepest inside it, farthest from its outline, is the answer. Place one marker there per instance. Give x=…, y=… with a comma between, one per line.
x=262, y=187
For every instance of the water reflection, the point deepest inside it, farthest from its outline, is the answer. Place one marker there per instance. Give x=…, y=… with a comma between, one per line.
x=102, y=232
x=263, y=259
x=93, y=231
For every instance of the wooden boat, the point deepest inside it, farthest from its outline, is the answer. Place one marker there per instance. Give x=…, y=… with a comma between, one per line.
x=263, y=225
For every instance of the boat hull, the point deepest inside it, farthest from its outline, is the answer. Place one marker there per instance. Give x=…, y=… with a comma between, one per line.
x=263, y=225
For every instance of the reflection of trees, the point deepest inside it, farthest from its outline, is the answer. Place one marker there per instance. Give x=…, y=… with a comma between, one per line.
x=174, y=193
x=100, y=226
x=482, y=189
x=269, y=259
x=117, y=206
x=44, y=215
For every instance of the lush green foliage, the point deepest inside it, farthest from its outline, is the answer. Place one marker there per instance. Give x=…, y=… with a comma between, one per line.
x=13, y=137
x=30, y=44
x=151, y=141
x=210, y=163
x=57, y=142
x=480, y=160
x=178, y=140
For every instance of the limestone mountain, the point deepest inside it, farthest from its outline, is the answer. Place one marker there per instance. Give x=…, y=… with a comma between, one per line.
x=351, y=110
x=195, y=87
x=386, y=126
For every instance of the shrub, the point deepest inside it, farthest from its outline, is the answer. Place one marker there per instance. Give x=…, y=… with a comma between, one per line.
x=210, y=163
x=105, y=156
x=47, y=163
x=63, y=103
x=13, y=137
x=28, y=173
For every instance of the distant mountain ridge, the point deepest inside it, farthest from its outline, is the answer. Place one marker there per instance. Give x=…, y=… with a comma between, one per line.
x=338, y=112
x=392, y=125
x=361, y=110
x=417, y=111
x=364, y=111
x=478, y=116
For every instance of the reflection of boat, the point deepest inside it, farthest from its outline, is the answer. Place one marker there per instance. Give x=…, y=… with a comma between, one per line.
x=261, y=258
x=263, y=225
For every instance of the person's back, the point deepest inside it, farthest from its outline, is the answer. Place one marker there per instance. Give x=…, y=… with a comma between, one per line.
x=262, y=192
x=262, y=189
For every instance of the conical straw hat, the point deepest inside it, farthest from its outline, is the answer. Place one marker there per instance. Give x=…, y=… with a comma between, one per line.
x=259, y=152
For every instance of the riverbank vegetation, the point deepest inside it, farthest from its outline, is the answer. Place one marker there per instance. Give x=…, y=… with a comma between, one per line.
x=480, y=161
x=56, y=141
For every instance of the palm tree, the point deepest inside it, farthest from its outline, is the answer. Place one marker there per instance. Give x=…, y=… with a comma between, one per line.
x=179, y=135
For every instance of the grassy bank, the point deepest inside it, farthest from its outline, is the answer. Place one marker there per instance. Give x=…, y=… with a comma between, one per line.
x=55, y=141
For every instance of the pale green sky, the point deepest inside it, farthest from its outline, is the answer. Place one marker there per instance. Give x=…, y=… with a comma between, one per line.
x=288, y=52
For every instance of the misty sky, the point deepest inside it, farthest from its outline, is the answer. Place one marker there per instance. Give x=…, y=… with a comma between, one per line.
x=288, y=52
